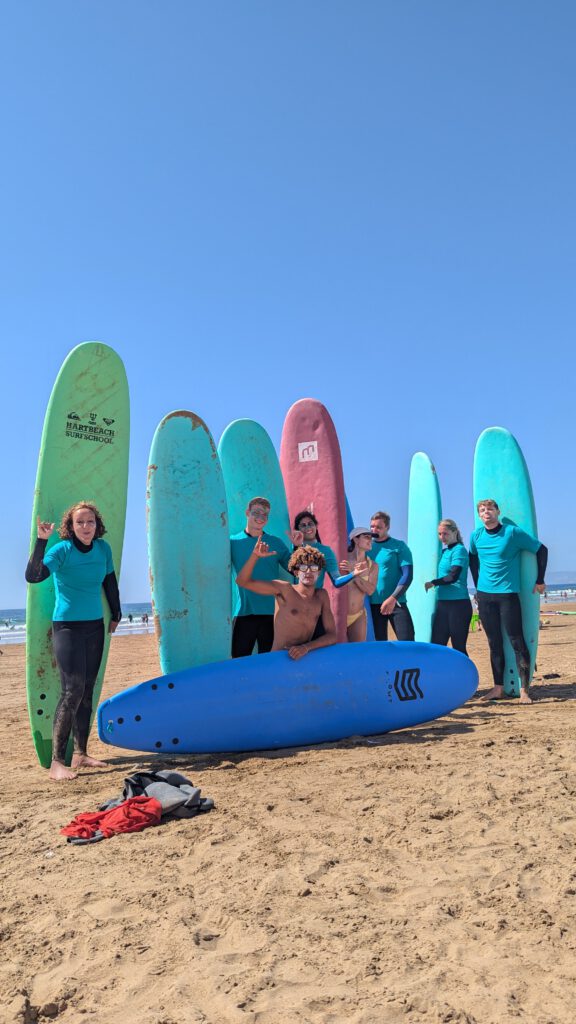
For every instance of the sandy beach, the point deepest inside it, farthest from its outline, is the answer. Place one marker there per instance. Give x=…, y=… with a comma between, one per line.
x=421, y=876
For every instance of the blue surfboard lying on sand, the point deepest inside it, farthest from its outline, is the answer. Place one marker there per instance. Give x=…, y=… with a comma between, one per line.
x=272, y=701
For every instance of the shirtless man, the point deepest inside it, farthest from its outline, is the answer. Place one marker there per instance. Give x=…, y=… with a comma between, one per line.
x=299, y=605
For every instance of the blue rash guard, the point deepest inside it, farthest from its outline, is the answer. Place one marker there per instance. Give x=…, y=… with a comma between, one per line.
x=453, y=574
x=78, y=578
x=241, y=547
x=498, y=552
x=394, y=560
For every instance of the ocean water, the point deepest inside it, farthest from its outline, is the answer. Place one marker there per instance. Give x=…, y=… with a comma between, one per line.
x=13, y=622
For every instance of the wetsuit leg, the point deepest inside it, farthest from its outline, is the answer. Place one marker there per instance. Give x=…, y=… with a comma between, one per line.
x=265, y=637
x=380, y=623
x=511, y=618
x=489, y=611
x=460, y=614
x=250, y=630
x=244, y=636
x=441, y=624
x=318, y=629
x=402, y=622
x=78, y=650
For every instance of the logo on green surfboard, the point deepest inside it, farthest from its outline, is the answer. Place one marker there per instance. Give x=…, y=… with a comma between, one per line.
x=90, y=431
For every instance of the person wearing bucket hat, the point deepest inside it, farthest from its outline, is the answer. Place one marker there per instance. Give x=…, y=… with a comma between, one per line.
x=362, y=585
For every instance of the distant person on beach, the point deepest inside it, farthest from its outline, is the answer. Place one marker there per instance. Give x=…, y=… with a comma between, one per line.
x=363, y=584
x=298, y=605
x=81, y=565
x=395, y=572
x=454, y=608
x=495, y=549
x=254, y=622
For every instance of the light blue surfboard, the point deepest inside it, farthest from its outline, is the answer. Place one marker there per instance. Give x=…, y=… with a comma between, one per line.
x=424, y=514
x=188, y=544
x=501, y=473
x=272, y=701
x=250, y=468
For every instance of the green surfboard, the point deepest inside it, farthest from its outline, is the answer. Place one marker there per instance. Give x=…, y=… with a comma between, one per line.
x=424, y=514
x=188, y=544
x=83, y=457
x=501, y=473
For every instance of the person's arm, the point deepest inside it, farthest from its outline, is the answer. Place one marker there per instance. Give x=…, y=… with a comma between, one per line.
x=341, y=581
x=266, y=587
x=406, y=577
x=474, y=567
x=36, y=571
x=367, y=584
x=453, y=574
x=541, y=563
x=327, y=640
x=110, y=586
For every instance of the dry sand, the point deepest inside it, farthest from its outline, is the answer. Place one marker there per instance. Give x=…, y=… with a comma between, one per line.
x=427, y=876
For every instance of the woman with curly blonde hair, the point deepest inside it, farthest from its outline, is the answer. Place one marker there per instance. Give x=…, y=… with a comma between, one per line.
x=81, y=564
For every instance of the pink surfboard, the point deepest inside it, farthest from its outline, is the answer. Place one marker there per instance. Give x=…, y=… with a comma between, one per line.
x=312, y=469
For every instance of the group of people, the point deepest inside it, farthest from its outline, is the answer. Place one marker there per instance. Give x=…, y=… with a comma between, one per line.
x=275, y=614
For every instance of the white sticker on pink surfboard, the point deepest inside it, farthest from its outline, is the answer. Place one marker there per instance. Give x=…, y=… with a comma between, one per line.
x=308, y=451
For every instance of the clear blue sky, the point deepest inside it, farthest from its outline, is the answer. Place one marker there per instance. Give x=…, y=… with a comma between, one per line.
x=370, y=203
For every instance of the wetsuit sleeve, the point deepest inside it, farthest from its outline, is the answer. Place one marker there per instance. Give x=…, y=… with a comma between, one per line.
x=36, y=571
x=404, y=581
x=332, y=566
x=541, y=562
x=451, y=576
x=110, y=585
x=474, y=566
x=341, y=581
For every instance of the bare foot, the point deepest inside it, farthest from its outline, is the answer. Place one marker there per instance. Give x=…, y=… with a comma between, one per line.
x=85, y=761
x=496, y=693
x=525, y=697
x=59, y=772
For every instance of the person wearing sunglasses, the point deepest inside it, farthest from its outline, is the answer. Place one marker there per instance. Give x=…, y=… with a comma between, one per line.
x=298, y=606
x=306, y=532
x=254, y=620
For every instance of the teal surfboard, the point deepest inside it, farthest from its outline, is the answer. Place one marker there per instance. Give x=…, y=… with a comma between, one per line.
x=83, y=457
x=188, y=545
x=501, y=473
x=424, y=514
x=251, y=469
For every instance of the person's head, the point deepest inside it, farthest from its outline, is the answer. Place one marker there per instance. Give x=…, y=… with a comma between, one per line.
x=307, y=523
x=305, y=564
x=380, y=525
x=448, y=532
x=360, y=539
x=257, y=513
x=488, y=512
x=83, y=521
